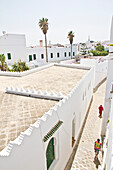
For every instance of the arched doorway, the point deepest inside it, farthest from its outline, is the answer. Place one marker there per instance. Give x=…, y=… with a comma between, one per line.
x=50, y=153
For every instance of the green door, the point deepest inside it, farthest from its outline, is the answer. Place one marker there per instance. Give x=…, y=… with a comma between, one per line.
x=50, y=154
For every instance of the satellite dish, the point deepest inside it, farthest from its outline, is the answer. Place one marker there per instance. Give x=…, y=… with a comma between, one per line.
x=4, y=32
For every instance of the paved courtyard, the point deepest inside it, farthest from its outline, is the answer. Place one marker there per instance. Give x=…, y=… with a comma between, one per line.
x=18, y=112
x=84, y=158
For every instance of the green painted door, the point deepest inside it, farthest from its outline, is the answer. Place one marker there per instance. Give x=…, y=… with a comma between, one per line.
x=50, y=154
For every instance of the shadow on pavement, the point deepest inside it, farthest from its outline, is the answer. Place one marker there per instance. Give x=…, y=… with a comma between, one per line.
x=96, y=162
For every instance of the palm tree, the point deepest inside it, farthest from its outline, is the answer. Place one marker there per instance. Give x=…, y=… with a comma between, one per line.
x=43, y=24
x=2, y=59
x=71, y=36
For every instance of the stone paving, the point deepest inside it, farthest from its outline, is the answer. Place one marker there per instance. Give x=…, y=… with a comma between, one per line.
x=18, y=112
x=84, y=158
x=58, y=79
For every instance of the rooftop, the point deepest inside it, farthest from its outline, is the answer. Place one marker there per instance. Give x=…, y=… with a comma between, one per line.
x=18, y=112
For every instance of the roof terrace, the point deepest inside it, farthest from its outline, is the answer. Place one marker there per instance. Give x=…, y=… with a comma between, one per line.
x=18, y=112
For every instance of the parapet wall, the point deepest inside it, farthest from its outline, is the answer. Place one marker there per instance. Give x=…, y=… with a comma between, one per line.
x=100, y=69
x=24, y=73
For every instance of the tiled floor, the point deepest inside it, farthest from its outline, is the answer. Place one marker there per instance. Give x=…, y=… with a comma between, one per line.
x=84, y=158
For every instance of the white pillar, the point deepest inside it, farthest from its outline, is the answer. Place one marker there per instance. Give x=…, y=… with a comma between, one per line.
x=108, y=84
x=107, y=101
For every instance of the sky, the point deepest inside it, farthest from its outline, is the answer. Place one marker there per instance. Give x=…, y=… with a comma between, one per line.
x=84, y=17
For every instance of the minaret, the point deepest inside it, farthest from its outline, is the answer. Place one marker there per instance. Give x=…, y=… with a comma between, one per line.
x=111, y=34
x=107, y=101
x=89, y=38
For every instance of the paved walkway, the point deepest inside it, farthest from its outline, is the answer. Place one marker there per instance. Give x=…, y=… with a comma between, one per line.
x=84, y=158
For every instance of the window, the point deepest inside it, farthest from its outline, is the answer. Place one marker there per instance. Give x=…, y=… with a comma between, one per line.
x=65, y=54
x=73, y=53
x=34, y=56
x=42, y=56
x=9, y=56
x=69, y=53
x=30, y=57
x=58, y=55
x=51, y=55
x=50, y=153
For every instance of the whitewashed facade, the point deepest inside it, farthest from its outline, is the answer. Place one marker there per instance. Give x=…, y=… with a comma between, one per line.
x=54, y=53
x=107, y=123
x=13, y=46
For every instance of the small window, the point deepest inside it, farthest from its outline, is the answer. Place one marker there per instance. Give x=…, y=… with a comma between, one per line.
x=42, y=56
x=9, y=56
x=34, y=56
x=30, y=57
x=58, y=55
x=73, y=53
x=65, y=54
x=69, y=54
x=51, y=55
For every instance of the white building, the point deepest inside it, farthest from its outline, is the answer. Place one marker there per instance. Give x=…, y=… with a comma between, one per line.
x=13, y=46
x=107, y=128
x=54, y=54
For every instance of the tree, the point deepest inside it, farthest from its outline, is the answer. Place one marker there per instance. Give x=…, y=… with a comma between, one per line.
x=100, y=48
x=2, y=59
x=71, y=36
x=43, y=24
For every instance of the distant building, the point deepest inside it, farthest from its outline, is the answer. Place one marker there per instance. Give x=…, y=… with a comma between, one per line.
x=13, y=46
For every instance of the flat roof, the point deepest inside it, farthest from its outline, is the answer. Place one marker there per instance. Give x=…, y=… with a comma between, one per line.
x=18, y=112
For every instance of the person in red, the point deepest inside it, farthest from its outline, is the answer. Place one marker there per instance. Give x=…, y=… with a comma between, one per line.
x=100, y=110
x=97, y=148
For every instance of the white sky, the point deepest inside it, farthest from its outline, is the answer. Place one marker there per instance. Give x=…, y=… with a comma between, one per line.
x=83, y=17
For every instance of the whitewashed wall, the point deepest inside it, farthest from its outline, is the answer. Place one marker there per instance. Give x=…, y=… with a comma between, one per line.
x=24, y=73
x=14, y=44
x=100, y=72
x=29, y=151
x=100, y=69
x=41, y=50
x=88, y=62
x=108, y=141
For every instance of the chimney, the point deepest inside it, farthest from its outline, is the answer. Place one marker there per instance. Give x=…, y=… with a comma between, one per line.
x=41, y=43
